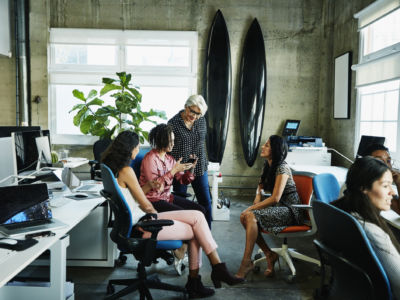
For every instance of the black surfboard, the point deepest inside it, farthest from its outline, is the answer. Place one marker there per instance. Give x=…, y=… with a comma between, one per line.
x=252, y=91
x=217, y=88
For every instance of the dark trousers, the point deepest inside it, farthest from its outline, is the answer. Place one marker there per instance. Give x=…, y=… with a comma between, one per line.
x=202, y=191
x=178, y=203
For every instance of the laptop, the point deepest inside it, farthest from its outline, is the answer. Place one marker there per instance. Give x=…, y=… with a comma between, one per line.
x=24, y=209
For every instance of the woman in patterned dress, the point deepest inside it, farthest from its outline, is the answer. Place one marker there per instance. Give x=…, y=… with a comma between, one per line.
x=274, y=213
x=189, y=127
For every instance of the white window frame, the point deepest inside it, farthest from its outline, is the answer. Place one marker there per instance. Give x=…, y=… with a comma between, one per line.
x=142, y=75
x=367, y=16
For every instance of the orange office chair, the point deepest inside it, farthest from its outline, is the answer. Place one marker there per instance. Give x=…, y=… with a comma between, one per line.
x=305, y=190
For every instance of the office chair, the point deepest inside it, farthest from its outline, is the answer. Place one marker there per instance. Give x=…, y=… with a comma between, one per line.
x=342, y=243
x=326, y=187
x=304, y=189
x=144, y=250
x=98, y=148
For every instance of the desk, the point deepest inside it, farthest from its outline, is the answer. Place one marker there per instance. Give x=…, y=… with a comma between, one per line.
x=12, y=262
x=392, y=218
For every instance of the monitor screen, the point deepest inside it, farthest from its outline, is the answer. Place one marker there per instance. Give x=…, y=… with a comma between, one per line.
x=26, y=149
x=43, y=147
x=366, y=141
x=8, y=162
x=291, y=127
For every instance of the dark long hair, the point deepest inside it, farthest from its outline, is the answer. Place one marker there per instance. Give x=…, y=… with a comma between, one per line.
x=119, y=153
x=279, y=151
x=159, y=136
x=360, y=177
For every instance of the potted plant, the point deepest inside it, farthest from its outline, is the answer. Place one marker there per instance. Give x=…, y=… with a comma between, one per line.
x=93, y=117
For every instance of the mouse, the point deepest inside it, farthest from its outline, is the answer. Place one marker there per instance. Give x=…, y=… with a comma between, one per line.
x=81, y=195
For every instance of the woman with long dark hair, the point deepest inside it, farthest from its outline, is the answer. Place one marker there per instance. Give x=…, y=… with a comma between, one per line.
x=369, y=191
x=273, y=213
x=188, y=224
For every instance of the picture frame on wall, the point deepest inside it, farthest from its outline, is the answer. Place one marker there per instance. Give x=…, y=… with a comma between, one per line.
x=342, y=84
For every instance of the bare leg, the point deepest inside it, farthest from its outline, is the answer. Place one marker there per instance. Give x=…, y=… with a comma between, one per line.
x=249, y=222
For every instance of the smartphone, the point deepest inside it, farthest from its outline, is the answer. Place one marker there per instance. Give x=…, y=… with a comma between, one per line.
x=191, y=160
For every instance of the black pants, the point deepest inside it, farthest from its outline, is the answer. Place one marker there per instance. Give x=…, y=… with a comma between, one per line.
x=178, y=203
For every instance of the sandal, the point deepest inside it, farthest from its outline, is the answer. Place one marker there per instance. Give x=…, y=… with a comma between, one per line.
x=271, y=260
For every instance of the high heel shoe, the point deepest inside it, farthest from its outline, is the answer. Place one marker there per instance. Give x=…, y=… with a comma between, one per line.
x=220, y=273
x=246, y=271
x=271, y=260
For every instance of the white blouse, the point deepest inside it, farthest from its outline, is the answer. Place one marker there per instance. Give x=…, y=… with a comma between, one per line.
x=136, y=211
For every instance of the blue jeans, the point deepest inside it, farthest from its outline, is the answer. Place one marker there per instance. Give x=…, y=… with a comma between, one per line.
x=202, y=192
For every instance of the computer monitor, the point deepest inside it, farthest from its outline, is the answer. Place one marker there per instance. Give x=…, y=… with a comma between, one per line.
x=44, y=152
x=8, y=162
x=291, y=127
x=26, y=149
x=6, y=131
x=366, y=141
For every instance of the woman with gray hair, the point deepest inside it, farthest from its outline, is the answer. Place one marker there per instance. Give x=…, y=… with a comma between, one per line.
x=189, y=127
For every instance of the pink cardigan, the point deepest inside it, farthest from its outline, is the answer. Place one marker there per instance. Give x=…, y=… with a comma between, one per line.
x=153, y=168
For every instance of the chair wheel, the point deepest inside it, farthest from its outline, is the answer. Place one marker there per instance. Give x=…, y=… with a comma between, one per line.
x=291, y=278
x=110, y=289
x=121, y=260
x=257, y=256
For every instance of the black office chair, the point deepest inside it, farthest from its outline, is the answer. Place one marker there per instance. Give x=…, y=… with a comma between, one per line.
x=144, y=250
x=343, y=245
x=98, y=148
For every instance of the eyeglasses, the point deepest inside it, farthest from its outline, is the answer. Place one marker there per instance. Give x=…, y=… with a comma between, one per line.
x=194, y=112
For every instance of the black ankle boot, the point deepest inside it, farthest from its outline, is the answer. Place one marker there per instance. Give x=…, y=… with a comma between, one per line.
x=196, y=289
x=220, y=273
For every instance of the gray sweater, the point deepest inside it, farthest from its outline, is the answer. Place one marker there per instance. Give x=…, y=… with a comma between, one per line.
x=387, y=254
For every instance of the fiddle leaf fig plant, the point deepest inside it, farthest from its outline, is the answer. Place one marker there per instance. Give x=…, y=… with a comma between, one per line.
x=94, y=117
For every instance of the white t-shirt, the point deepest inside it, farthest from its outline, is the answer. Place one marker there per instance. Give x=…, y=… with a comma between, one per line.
x=136, y=211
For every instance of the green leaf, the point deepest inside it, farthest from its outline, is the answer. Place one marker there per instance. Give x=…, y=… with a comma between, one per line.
x=145, y=135
x=92, y=94
x=79, y=95
x=109, y=87
x=77, y=106
x=96, y=101
x=106, y=80
x=78, y=117
x=86, y=124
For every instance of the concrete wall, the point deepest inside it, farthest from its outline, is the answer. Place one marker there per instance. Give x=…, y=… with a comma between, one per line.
x=301, y=39
x=339, y=35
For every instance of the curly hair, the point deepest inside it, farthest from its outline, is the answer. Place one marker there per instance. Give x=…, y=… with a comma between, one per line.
x=119, y=153
x=160, y=136
x=279, y=149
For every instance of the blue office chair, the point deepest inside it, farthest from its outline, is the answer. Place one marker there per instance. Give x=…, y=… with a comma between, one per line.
x=326, y=187
x=144, y=250
x=343, y=245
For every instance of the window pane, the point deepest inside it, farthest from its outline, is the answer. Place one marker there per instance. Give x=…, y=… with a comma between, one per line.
x=386, y=129
x=85, y=55
x=366, y=107
x=391, y=105
x=158, y=56
x=64, y=103
x=169, y=99
x=382, y=33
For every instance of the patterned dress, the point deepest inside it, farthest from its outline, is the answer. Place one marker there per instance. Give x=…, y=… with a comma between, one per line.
x=281, y=215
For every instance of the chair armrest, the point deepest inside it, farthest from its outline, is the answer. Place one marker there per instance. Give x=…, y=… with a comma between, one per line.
x=93, y=162
x=304, y=206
